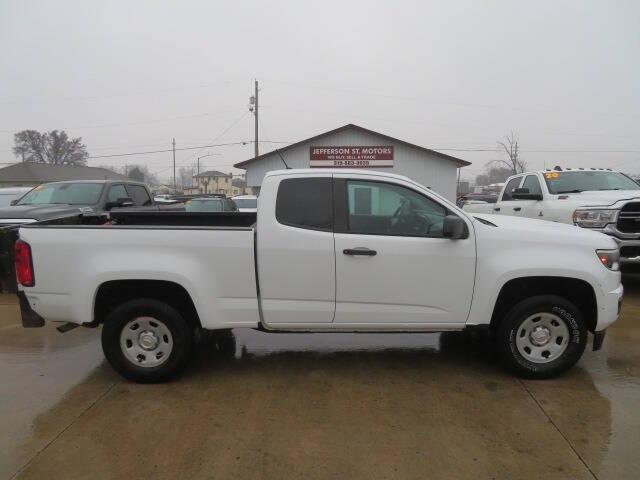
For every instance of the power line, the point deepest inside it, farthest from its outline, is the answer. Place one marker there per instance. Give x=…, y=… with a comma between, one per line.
x=170, y=150
x=235, y=122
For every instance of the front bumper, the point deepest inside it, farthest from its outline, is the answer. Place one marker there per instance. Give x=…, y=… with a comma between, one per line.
x=628, y=243
x=610, y=307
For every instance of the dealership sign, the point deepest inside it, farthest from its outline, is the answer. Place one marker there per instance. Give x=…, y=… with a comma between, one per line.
x=351, y=156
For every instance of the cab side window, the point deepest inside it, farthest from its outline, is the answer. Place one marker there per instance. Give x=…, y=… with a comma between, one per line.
x=116, y=192
x=531, y=182
x=139, y=195
x=377, y=208
x=509, y=188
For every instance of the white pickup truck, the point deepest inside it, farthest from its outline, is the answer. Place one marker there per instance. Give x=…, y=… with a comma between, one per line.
x=596, y=199
x=331, y=251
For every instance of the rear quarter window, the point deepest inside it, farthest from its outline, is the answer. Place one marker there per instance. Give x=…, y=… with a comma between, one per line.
x=139, y=195
x=306, y=203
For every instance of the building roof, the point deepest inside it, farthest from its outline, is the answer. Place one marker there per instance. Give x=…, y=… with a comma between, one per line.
x=212, y=173
x=351, y=126
x=45, y=172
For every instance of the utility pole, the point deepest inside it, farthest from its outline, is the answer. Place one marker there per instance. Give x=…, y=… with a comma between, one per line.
x=174, y=165
x=255, y=114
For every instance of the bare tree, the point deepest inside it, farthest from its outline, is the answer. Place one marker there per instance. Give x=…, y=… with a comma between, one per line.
x=511, y=147
x=139, y=173
x=49, y=147
x=185, y=176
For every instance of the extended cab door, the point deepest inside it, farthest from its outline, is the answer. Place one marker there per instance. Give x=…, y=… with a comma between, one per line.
x=533, y=208
x=506, y=205
x=296, y=258
x=393, y=265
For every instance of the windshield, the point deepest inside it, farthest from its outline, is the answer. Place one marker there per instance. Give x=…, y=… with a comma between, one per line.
x=246, y=202
x=575, y=182
x=64, y=193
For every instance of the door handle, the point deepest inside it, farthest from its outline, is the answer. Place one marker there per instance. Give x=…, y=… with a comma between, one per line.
x=366, y=252
x=517, y=209
x=497, y=209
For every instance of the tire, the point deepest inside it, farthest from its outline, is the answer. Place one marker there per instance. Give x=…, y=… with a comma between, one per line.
x=147, y=341
x=522, y=334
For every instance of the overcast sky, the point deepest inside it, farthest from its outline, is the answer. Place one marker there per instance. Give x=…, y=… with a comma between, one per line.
x=129, y=76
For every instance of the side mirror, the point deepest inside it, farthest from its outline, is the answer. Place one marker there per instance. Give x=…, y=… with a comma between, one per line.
x=523, y=194
x=454, y=227
x=14, y=202
x=120, y=203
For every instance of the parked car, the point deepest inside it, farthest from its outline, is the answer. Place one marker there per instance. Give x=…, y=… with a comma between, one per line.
x=58, y=201
x=332, y=251
x=477, y=198
x=207, y=204
x=246, y=203
x=595, y=199
x=164, y=199
x=9, y=194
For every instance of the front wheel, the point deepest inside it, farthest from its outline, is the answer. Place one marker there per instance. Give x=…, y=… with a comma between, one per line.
x=147, y=341
x=542, y=336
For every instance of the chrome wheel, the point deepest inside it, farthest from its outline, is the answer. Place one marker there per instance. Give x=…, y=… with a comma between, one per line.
x=146, y=341
x=542, y=338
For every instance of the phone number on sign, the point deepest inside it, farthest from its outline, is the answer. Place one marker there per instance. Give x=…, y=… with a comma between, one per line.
x=351, y=163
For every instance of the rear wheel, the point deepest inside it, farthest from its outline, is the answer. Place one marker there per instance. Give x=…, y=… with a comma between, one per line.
x=542, y=336
x=147, y=341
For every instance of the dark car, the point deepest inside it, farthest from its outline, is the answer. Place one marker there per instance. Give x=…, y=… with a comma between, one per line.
x=58, y=201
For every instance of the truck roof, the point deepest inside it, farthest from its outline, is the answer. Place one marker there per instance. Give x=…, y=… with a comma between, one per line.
x=133, y=182
x=315, y=171
x=585, y=169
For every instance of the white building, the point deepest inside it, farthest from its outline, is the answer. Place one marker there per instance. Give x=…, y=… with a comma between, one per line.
x=357, y=147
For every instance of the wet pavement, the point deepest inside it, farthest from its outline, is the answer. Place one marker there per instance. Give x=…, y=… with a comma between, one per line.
x=267, y=406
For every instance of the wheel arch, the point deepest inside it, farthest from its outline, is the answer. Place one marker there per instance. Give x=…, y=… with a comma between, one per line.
x=577, y=291
x=112, y=293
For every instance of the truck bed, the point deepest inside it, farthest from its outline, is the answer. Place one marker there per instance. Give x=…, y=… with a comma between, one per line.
x=213, y=262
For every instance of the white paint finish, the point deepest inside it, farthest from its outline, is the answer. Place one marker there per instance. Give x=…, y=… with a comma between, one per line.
x=215, y=267
x=560, y=208
x=421, y=284
x=557, y=208
x=296, y=266
x=427, y=169
x=405, y=282
x=521, y=247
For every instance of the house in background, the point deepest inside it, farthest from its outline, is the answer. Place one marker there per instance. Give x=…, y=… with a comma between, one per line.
x=213, y=181
x=29, y=174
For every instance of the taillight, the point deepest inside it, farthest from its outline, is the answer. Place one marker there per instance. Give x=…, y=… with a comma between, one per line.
x=24, y=264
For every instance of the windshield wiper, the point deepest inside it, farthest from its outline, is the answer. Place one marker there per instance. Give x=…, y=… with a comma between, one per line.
x=601, y=189
x=569, y=191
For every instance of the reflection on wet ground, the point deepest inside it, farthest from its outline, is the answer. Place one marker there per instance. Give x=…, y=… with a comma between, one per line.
x=258, y=405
